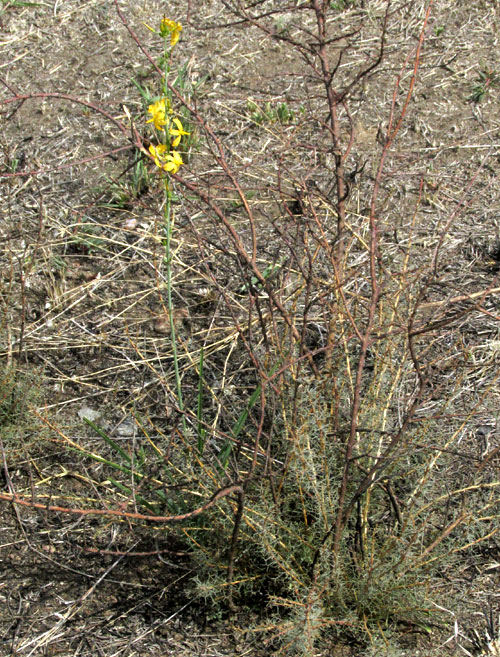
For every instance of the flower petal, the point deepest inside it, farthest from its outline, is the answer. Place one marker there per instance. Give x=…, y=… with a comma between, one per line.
x=177, y=132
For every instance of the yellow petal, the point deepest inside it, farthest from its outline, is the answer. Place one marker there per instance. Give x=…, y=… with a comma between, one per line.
x=177, y=132
x=174, y=38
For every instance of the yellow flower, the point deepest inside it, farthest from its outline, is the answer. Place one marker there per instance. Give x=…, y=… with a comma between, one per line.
x=158, y=111
x=167, y=27
x=174, y=162
x=177, y=132
x=168, y=161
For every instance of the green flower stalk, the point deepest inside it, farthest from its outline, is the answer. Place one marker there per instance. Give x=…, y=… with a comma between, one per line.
x=170, y=131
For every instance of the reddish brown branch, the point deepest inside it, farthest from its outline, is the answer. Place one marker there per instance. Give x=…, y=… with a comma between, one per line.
x=113, y=513
x=343, y=514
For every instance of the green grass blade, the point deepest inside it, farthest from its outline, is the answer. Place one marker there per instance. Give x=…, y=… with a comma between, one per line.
x=109, y=440
x=146, y=96
x=101, y=459
x=240, y=423
x=224, y=454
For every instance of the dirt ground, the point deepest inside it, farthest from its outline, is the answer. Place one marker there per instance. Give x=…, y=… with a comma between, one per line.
x=82, y=301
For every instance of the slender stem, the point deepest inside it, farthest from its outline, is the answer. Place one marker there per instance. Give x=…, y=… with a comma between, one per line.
x=168, y=224
x=167, y=213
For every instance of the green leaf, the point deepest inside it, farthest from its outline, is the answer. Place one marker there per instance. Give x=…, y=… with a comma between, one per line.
x=109, y=440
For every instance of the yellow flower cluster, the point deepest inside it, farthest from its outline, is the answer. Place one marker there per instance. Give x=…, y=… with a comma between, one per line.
x=164, y=158
x=169, y=27
x=159, y=111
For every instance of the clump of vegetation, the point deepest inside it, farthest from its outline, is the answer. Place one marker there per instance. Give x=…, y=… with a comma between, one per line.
x=15, y=393
x=270, y=113
x=339, y=5
x=22, y=431
x=486, y=79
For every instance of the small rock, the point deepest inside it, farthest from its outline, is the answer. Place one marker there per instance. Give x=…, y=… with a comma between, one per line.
x=130, y=224
x=126, y=428
x=87, y=413
x=162, y=322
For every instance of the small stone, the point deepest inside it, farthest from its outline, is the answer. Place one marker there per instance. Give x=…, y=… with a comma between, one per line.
x=87, y=413
x=126, y=428
x=130, y=224
x=162, y=325
x=162, y=322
